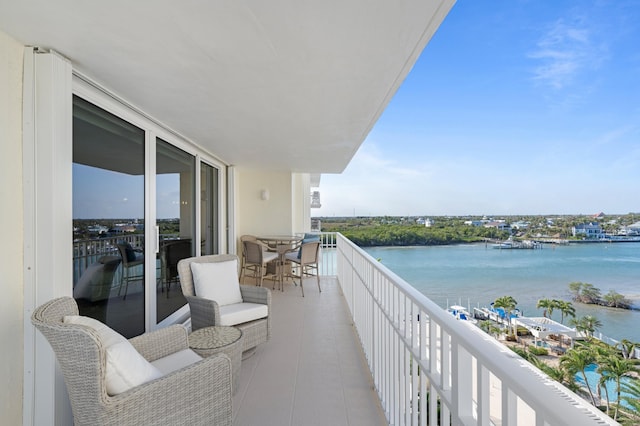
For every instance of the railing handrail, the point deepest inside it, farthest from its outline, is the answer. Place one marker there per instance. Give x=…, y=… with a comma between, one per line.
x=523, y=380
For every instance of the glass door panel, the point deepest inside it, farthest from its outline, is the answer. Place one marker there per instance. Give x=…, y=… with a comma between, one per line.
x=209, y=209
x=175, y=214
x=108, y=218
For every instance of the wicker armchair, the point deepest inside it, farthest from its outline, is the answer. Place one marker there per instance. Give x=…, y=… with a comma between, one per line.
x=206, y=312
x=199, y=394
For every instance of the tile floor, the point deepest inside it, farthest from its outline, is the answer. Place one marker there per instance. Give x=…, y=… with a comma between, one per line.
x=312, y=371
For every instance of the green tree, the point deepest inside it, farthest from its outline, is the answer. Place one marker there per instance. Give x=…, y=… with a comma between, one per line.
x=575, y=288
x=615, y=368
x=547, y=305
x=632, y=390
x=616, y=300
x=587, y=324
x=590, y=294
x=566, y=309
x=508, y=303
x=577, y=360
x=627, y=347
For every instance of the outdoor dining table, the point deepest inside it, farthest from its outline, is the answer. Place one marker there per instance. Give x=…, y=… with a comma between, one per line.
x=281, y=244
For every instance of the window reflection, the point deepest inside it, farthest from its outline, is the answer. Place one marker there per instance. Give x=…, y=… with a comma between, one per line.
x=175, y=183
x=108, y=218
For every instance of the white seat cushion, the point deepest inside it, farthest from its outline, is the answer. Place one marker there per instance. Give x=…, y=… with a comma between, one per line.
x=268, y=256
x=217, y=281
x=240, y=313
x=125, y=368
x=176, y=361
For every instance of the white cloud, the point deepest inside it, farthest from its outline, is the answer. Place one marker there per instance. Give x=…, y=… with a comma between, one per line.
x=564, y=51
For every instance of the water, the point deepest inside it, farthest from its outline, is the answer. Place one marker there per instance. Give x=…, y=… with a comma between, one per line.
x=593, y=377
x=476, y=274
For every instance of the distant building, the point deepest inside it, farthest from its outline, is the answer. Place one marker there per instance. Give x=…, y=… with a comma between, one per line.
x=520, y=225
x=598, y=215
x=474, y=222
x=588, y=230
x=498, y=224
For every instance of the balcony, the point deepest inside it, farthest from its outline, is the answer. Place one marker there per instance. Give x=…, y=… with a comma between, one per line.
x=369, y=346
x=366, y=349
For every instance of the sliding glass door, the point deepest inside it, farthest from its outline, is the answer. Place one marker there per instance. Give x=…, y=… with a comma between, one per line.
x=126, y=176
x=108, y=218
x=175, y=221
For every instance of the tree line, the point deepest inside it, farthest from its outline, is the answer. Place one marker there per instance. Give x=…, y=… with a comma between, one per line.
x=374, y=235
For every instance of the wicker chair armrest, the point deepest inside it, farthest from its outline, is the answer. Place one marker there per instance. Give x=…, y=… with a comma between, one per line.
x=160, y=343
x=253, y=294
x=170, y=399
x=204, y=312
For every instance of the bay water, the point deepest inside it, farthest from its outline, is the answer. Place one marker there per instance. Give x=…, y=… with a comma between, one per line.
x=474, y=275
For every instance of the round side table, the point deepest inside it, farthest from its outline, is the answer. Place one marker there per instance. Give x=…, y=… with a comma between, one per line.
x=209, y=341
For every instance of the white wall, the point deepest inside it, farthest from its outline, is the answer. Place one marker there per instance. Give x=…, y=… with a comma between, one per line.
x=11, y=213
x=274, y=216
x=258, y=216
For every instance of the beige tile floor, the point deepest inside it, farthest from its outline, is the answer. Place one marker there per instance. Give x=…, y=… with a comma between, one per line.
x=312, y=371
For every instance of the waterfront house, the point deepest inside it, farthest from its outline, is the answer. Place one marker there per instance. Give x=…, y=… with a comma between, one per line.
x=588, y=230
x=256, y=100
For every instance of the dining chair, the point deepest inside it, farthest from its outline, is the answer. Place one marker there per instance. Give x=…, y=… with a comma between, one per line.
x=306, y=260
x=130, y=261
x=255, y=260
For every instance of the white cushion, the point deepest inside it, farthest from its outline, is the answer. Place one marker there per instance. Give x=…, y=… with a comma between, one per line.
x=268, y=256
x=217, y=281
x=240, y=313
x=125, y=368
x=107, y=335
x=176, y=361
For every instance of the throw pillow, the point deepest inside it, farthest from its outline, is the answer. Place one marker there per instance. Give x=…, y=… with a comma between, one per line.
x=125, y=368
x=217, y=281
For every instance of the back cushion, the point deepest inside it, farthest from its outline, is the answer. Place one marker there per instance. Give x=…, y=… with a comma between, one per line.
x=217, y=281
x=126, y=368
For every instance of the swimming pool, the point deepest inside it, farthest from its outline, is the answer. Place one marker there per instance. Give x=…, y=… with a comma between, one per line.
x=593, y=377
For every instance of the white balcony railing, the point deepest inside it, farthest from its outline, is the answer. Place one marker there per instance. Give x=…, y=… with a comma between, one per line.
x=430, y=369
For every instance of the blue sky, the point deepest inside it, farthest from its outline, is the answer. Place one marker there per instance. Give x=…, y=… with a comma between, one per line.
x=514, y=107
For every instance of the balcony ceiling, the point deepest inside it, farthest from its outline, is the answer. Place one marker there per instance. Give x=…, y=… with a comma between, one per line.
x=278, y=85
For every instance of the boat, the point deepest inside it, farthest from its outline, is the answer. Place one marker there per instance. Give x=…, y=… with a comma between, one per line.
x=511, y=244
x=461, y=313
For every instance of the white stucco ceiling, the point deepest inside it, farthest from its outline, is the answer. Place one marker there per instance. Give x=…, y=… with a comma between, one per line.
x=279, y=85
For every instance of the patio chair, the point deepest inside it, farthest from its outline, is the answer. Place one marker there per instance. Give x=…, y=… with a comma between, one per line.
x=170, y=254
x=166, y=382
x=255, y=260
x=130, y=261
x=216, y=297
x=306, y=260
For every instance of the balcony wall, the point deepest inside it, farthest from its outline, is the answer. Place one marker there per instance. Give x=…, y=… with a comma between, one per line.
x=416, y=349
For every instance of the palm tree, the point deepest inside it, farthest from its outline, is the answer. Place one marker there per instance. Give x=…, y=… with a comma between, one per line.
x=615, y=368
x=566, y=309
x=602, y=384
x=628, y=348
x=587, y=324
x=547, y=305
x=577, y=360
x=632, y=391
x=508, y=303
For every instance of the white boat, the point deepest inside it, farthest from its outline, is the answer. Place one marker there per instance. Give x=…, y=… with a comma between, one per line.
x=461, y=313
